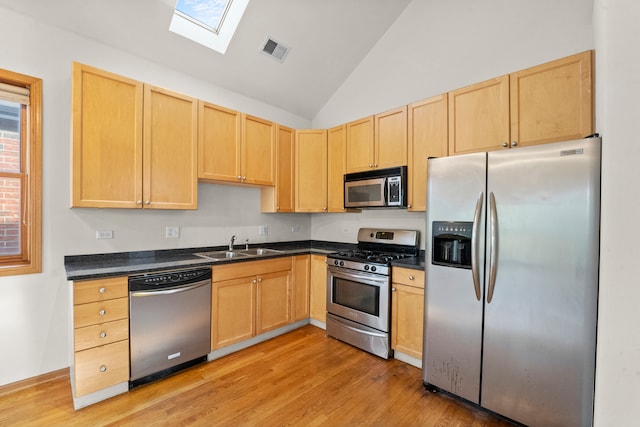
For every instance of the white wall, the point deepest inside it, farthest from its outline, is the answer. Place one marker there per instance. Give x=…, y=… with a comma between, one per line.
x=617, y=36
x=34, y=309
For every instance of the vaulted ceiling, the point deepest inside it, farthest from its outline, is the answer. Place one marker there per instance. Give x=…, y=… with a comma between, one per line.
x=327, y=38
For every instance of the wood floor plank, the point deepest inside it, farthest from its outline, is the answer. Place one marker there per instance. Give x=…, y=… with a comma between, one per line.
x=302, y=378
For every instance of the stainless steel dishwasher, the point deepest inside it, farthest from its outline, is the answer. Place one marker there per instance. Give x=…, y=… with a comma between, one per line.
x=169, y=322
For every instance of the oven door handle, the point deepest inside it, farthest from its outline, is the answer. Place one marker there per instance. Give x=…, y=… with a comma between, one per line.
x=168, y=291
x=360, y=331
x=370, y=279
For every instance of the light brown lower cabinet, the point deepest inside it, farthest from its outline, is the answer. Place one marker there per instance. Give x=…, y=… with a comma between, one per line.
x=407, y=312
x=301, y=276
x=100, y=334
x=318, y=284
x=249, y=298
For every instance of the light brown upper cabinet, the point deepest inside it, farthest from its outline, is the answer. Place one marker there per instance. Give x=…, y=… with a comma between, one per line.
x=428, y=136
x=235, y=147
x=553, y=101
x=219, y=141
x=280, y=197
x=479, y=116
x=134, y=145
x=336, y=167
x=377, y=142
x=311, y=170
x=546, y=103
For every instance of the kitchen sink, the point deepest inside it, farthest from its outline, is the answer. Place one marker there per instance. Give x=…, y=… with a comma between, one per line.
x=259, y=251
x=238, y=253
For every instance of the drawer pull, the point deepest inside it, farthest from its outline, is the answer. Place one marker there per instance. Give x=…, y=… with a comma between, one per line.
x=411, y=277
x=102, y=290
x=103, y=334
x=103, y=368
x=102, y=312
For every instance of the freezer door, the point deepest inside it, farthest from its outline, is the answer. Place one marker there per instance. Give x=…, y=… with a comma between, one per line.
x=540, y=316
x=453, y=301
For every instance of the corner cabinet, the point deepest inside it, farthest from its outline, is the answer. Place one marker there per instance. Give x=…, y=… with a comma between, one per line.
x=133, y=145
x=280, y=198
x=311, y=170
x=100, y=334
x=547, y=103
x=407, y=311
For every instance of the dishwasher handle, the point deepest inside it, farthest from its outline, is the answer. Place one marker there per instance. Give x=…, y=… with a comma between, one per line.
x=169, y=291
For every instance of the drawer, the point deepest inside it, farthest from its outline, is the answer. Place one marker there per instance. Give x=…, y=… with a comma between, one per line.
x=101, y=367
x=100, y=312
x=100, y=290
x=408, y=276
x=100, y=334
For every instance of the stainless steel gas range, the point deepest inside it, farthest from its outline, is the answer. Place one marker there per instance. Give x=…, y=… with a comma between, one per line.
x=359, y=288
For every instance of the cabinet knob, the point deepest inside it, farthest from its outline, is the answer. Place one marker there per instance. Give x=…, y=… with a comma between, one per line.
x=244, y=178
x=375, y=165
x=254, y=281
x=138, y=202
x=103, y=334
x=239, y=178
x=409, y=205
x=504, y=144
x=514, y=143
x=102, y=290
x=370, y=165
x=324, y=209
x=259, y=279
x=147, y=202
x=411, y=277
x=393, y=289
x=102, y=312
x=103, y=368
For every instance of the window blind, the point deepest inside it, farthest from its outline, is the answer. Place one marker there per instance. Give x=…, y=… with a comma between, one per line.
x=14, y=93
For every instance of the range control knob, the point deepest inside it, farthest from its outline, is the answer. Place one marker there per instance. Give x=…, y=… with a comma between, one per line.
x=335, y=262
x=366, y=268
x=341, y=263
x=373, y=268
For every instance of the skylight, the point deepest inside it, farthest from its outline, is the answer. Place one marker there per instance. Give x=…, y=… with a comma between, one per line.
x=211, y=23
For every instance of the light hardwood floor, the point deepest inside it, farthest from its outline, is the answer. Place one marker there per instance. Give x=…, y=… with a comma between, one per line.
x=302, y=378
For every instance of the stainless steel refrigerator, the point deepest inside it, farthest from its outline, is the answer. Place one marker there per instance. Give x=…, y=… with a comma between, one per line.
x=512, y=280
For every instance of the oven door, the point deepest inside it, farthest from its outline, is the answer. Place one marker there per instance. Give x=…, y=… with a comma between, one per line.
x=358, y=296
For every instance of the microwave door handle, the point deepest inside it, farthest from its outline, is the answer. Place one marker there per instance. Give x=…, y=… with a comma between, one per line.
x=475, y=245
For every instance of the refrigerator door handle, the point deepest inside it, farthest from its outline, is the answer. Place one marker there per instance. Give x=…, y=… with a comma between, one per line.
x=493, y=257
x=475, y=252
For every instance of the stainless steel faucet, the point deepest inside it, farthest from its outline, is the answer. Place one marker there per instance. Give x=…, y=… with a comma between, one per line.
x=233, y=239
x=246, y=244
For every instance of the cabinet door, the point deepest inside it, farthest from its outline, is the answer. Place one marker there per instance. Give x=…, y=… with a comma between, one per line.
x=300, y=294
x=336, y=167
x=479, y=117
x=311, y=170
x=391, y=138
x=280, y=197
x=553, y=101
x=233, y=311
x=107, y=139
x=273, y=301
x=218, y=143
x=169, y=150
x=407, y=317
x=318, y=288
x=360, y=155
x=101, y=367
x=428, y=136
x=258, y=151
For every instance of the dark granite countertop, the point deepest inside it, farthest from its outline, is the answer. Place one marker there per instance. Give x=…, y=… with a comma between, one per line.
x=81, y=267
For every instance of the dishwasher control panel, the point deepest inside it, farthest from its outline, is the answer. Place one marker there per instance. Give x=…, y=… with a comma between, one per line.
x=168, y=279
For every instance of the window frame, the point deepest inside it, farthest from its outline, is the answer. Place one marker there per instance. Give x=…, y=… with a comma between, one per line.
x=30, y=259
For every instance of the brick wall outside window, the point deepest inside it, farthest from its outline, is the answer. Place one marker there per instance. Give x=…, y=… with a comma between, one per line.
x=9, y=194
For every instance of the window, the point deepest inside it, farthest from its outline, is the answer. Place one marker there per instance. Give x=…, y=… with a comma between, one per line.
x=20, y=174
x=211, y=23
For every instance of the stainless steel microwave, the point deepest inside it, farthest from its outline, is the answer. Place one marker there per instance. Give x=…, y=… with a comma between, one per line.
x=378, y=188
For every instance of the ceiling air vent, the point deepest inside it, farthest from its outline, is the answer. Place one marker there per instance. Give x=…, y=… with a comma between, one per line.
x=275, y=49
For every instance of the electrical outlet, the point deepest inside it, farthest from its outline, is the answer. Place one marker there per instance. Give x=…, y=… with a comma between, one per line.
x=263, y=230
x=295, y=229
x=104, y=234
x=172, y=232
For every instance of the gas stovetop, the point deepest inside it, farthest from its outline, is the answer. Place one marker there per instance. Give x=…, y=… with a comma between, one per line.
x=377, y=248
